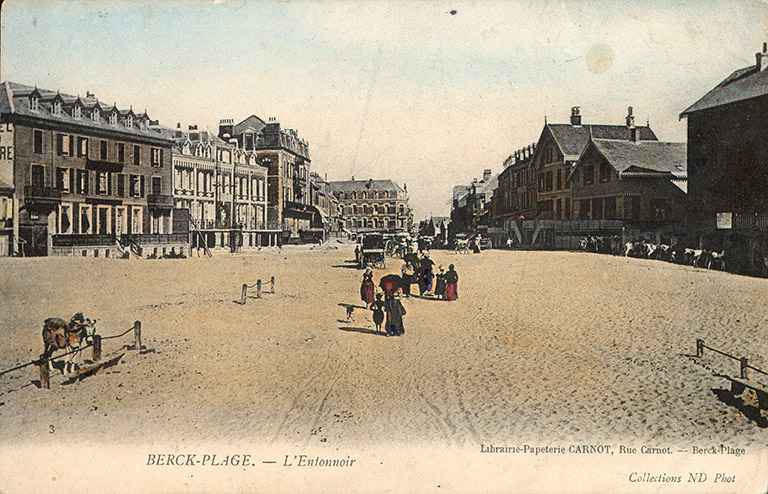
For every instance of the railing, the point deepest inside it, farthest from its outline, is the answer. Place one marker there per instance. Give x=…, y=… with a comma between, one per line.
x=744, y=362
x=155, y=238
x=83, y=239
x=160, y=200
x=36, y=193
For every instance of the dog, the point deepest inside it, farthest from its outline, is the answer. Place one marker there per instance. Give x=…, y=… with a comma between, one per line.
x=350, y=312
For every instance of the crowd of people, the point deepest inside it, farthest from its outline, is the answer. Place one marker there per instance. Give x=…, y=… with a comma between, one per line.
x=417, y=269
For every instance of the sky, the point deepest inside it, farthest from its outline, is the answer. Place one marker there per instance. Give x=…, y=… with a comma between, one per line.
x=428, y=94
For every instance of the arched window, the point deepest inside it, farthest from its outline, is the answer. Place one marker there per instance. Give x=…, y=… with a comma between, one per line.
x=354, y=209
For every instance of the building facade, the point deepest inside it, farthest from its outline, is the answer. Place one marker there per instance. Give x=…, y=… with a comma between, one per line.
x=223, y=187
x=472, y=204
x=515, y=198
x=286, y=157
x=373, y=205
x=89, y=179
x=557, y=150
x=324, y=199
x=639, y=182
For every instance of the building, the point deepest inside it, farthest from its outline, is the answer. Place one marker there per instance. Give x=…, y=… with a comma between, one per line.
x=471, y=209
x=557, y=150
x=223, y=187
x=373, y=205
x=515, y=198
x=286, y=158
x=323, y=197
x=639, y=182
x=8, y=203
x=89, y=178
x=727, y=152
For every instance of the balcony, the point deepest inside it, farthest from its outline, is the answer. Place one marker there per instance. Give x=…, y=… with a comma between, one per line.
x=42, y=195
x=160, y=201
x=103, y=166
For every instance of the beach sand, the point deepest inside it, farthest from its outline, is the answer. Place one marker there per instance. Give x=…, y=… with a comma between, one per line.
x=540, y=346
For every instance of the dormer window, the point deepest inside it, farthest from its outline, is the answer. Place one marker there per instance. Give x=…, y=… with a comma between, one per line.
x=144, y=124
x=113, y=118
x=77, y=112
x=95, y=115
x=129, y=121
x=34, y=102
x=57, y=108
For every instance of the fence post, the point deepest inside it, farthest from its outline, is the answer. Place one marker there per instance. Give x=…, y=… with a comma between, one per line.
x=272, y=284
x=96, y=348
x=699, y=347
x=244, y=295
x=137, y=335
x=258, y=288
x=45, y=376
x=744, y=365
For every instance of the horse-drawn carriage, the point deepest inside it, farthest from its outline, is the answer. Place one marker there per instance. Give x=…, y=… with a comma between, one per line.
x=372, y=251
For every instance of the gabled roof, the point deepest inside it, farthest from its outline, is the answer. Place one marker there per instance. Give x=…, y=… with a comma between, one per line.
x=743, y=84
x=644, y=156
x=252, y=123
x=365, y=185
x=571, y=139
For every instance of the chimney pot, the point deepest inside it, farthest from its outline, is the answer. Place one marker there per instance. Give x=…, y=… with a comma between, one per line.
x=575, y=116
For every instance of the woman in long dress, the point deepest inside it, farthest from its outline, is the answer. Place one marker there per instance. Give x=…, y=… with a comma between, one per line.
x=451, y=284
x=367, y=289
x=395, y=313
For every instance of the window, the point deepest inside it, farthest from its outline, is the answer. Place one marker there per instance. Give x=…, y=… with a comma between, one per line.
x=38, y=176
x=103, y=150
x=113, y=118
x=610, y=208
x=156, y=185
x=157, y=156
x=541, y=182
x=566, y=179
x=103, y=186
x=64, y=145
x=659, y=209
x=37, y=146
x=549, y=155
x=57, y=108
x=65, y=218
x=129, y=121
x=559, y=209
x=605, y=172
x=82, y=181
x=589, y=175
x=34, y=103
x=77, y=112
x=567, y=208
x=82, y=146
x=62, y=179
x=120, y=152
x=137, y=155
x=549, y=181
x=121, y=185
x=137, y=186
x=559, y=179
x=584, y=212
x=85, y=219
x=95, y=115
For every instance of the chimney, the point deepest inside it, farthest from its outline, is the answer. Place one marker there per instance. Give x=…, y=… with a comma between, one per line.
x=89, y=94
x=630, y=118
x=178, y=129
x=193, y=127
x=486, y=175
x=575, y=116
x=761, y=57
x=226, y=128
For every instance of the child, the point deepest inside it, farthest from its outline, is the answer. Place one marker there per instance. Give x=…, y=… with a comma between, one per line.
x=378, y=312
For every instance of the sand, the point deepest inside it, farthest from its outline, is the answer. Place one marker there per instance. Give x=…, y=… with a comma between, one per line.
x=575, y=347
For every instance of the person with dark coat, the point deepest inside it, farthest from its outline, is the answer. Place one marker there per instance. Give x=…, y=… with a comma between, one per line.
x=378, y=312
x=440, y=284
x=407, y=276
x=395, y=313
x=357, y=255
x=367, y=289
x=426, y=276
x=451, y=284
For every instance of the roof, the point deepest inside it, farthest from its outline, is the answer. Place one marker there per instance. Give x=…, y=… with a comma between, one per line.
x=644, y=156
x=741, y=85
x=16, y=99
x=573, y=138
x=360, y=185
x=253, y=124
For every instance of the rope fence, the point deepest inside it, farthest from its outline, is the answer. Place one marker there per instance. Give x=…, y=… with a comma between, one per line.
x=95, y=344
x=744, y=361
x=257, y=285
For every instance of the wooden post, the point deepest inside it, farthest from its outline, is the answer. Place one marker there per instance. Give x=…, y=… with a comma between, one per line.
x=272, y=284
x=96, y=348
x=45, y=375
x=258, y=288
x=699, y=347
x=244, y=295
x=744, y=365
x=137, y=335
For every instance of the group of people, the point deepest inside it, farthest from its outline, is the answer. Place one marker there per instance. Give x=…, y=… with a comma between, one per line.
x=444, y=286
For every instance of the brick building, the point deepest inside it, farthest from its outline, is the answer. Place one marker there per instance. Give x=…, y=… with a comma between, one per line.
x=89, y=178
x=557, y=150
x=640, y=182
